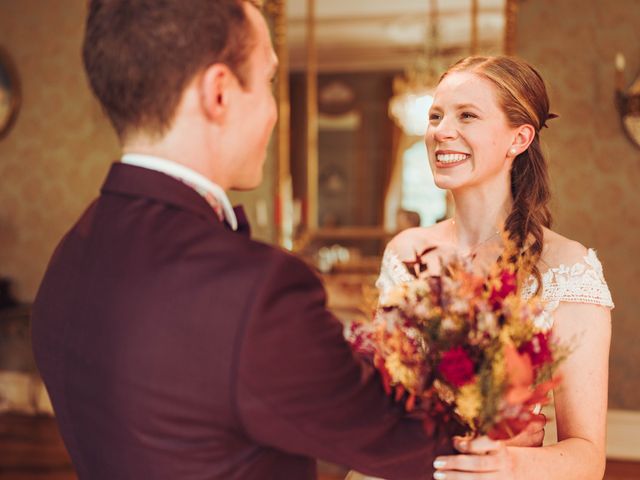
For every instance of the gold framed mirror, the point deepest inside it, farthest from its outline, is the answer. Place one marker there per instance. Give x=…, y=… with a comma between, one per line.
x=344, y=159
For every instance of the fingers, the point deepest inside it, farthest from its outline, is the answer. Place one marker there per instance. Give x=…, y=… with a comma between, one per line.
x=478, y=446
x=481, y=466
x=535, y=431
x=531, y=436
x=527, y=439
x=537, y=439
x=469, y=463
x=463, y=476
x=461, y=443
x=484, y=459
x=539, y=418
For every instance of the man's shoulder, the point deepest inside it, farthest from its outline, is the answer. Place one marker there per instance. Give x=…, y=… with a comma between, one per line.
x=276, y=261
x=263, y=259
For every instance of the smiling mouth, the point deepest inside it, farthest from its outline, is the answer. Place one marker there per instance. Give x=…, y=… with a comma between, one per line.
x=450, y=159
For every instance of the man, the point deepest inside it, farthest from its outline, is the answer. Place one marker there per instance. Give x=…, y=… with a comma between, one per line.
x=172, y=345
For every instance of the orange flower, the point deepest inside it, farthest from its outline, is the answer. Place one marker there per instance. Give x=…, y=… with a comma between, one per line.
x=519, y=375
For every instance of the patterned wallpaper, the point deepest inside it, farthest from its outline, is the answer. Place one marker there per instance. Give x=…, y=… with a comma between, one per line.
x=595, y=169
x=55, y=157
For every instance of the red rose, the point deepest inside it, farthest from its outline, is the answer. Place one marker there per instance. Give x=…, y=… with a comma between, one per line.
x=538, y=350
x=456, y=367
x=507, y=285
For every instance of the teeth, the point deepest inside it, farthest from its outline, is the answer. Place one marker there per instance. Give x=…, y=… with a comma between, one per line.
x=451, y=157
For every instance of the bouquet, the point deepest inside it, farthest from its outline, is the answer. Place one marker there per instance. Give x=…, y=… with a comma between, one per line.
x=464, y=346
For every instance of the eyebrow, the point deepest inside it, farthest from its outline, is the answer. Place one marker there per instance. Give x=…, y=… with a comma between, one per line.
x=463, y=106
x=460, y=106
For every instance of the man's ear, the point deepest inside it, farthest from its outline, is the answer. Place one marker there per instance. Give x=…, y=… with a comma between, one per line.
x=524, y=135
x=216, y=86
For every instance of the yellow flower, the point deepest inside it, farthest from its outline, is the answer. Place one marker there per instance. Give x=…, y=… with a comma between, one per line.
x=444, y=392
x=396, y=297
x=400, y=372
x=416, y=289
x=469, y=401
x=499, y=369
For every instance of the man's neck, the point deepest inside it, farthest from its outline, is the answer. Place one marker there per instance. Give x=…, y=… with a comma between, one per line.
x=184, y=153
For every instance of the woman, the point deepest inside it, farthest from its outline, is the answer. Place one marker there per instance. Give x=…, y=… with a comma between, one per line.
x=483, y=141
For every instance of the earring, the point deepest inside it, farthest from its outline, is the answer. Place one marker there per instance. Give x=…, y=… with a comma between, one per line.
x=513, y=151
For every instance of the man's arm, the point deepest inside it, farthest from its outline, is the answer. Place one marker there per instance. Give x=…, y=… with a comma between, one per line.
x=301, y=389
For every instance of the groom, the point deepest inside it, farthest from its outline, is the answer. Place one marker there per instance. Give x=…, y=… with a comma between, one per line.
x=172, y=345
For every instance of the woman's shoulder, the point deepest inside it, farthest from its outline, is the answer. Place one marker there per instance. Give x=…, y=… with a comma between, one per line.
x=572, y=273
x=559, y=250
x=415, y=240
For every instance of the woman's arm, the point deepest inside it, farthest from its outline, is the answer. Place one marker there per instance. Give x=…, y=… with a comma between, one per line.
x=581, y=409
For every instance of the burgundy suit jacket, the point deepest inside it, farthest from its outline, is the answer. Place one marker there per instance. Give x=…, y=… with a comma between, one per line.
x=175, y=348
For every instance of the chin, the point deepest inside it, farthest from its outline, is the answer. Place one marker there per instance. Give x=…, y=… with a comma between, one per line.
x=448, y=183
x=251, y=183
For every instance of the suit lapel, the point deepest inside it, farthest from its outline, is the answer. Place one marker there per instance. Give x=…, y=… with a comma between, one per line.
x=135, y=181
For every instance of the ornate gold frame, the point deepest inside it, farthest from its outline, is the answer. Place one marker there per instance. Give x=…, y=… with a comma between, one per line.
x=15, y=92
x=282, y=194
x=277, y=9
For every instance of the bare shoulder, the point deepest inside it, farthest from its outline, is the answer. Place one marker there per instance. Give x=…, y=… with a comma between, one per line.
x=415, y=240
x=559, y=250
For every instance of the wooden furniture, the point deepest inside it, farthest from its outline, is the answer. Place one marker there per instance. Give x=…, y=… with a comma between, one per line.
x=31, y=449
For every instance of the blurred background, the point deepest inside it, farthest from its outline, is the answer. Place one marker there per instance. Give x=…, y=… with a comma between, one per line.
x=346, y=168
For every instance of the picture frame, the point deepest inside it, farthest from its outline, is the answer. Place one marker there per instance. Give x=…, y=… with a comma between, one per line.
x=10, y=93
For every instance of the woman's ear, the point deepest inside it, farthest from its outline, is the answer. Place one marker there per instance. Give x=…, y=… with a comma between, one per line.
x=524, y=135
x=216, y=85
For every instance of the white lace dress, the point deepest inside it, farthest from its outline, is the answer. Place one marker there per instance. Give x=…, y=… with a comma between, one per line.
x=582, y=282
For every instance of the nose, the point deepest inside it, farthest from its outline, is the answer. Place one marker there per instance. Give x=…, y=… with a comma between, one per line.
x=444, y=130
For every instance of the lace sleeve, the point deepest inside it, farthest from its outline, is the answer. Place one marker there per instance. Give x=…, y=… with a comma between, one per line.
x=582, y=282
x=392, y=272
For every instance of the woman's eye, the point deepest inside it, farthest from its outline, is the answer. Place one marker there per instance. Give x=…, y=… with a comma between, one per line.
x=434, y=116
x=468, y=115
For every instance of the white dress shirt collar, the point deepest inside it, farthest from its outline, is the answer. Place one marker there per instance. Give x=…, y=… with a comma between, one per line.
x=190, y=177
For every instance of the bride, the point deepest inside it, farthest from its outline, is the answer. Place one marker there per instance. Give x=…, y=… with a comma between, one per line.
x=483, y=141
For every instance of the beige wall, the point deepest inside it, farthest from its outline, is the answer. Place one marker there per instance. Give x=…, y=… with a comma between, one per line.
x=55, y=158
x=595, y=170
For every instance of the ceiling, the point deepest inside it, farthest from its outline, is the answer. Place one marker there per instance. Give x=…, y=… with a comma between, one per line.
x=355, y=35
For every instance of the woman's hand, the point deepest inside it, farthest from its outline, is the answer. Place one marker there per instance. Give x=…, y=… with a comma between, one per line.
x=532, y=436
x=481, y=458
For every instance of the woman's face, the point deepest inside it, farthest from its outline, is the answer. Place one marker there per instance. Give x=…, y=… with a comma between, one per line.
x=468, y=137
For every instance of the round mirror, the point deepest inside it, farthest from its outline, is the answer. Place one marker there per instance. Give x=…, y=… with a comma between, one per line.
x=9, y=93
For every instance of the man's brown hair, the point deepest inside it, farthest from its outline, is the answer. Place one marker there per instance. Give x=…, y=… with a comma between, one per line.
x=140, y=55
